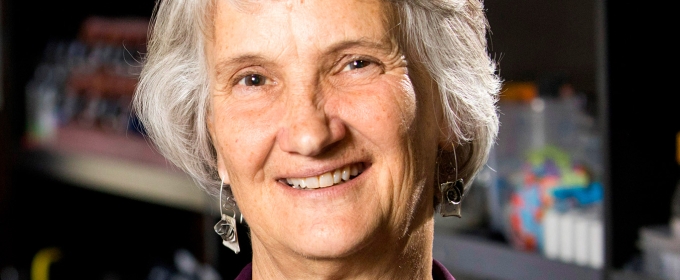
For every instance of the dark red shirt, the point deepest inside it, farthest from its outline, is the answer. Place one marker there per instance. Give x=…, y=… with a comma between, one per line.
x=439, y=272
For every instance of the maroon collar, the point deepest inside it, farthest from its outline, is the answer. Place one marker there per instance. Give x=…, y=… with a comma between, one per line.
x=246, y=273
x=439, y=272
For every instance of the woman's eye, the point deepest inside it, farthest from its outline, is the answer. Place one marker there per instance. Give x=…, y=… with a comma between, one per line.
x=253, y=80
x=356, y=64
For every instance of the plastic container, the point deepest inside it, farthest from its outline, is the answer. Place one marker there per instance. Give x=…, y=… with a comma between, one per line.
x=661, y=252
x=575, y=236
x=532, y=125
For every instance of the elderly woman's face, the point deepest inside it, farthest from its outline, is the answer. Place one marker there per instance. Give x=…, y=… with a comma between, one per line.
x=328, y=149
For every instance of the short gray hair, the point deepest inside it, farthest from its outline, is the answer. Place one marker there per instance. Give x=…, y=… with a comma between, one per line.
x=445, y=37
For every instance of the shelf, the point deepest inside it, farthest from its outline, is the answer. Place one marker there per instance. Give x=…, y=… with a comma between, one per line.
x=117, y=164
x=125, y=178
x=629, y=275
x=470, y=255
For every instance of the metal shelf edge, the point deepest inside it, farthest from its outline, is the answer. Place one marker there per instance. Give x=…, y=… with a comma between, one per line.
x=140, y=181
x=489, y=260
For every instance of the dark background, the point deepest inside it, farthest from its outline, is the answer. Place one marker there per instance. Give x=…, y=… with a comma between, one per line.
x=638, y=110
x=100, y=236
x=643, y=119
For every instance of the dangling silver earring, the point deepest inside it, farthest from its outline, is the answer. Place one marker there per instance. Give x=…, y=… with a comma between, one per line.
x=452, y=195
x=226, y=227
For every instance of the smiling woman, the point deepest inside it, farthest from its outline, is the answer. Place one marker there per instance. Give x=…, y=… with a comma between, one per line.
x=353, y=121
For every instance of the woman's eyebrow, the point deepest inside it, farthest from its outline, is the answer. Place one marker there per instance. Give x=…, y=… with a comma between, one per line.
x=383, y=46
x=223, y=66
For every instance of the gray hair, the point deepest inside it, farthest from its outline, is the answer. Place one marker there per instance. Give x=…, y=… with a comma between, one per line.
x=445, y=37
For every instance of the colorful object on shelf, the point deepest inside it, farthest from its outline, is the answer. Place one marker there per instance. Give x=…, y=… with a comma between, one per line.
x=519, y=91
x=549, y=179
x=87, y=82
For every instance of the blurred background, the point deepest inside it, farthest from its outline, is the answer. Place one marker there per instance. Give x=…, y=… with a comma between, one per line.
x=582, y=184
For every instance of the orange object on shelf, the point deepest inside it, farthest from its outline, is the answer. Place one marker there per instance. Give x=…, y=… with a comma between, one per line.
x=519, y=91
x=103, y=81
x=114, y=31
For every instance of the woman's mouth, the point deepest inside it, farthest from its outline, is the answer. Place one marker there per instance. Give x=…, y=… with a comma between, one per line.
x=337, y=176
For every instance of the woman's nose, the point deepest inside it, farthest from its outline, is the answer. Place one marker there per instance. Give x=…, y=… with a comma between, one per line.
x=307, y=129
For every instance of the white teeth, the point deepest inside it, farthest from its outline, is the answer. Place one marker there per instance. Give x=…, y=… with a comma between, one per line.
x=311, y=182
x=327, y=179
x=337, y=176
x=295, y=183
x=345, y=173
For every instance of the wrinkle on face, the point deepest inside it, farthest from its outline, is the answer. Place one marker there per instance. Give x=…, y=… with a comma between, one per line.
x=246, y=6
x=303, y=49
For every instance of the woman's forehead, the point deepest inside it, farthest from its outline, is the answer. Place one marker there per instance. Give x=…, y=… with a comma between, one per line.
x=316, y=24
x=253, y=4
x=332, y=10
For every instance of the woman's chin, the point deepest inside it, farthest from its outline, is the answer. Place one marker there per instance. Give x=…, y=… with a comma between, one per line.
x=329, y=248
x=332, y=242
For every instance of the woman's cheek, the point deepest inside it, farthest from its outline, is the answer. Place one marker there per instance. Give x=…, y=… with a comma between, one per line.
x=243, y=136
x=383, y=106
x=397, y=108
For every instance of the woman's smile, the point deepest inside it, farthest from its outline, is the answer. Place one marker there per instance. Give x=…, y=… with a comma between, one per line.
x=327, y=179
x=323, y=203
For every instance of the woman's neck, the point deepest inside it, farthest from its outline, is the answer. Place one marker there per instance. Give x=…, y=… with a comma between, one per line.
x=407, y=257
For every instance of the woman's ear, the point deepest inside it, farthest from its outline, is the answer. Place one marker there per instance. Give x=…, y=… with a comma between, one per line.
x=222, y=169
x=446, y=143
x=446, y=138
